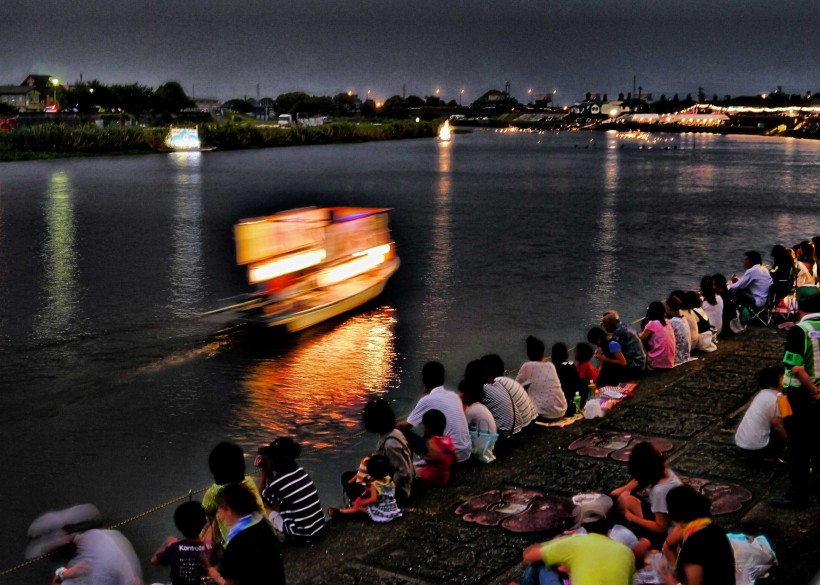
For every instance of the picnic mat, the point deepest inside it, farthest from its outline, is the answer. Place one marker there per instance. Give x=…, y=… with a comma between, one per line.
x=609, y=397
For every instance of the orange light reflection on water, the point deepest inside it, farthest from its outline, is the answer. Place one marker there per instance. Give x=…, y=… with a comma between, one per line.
x=317, y=390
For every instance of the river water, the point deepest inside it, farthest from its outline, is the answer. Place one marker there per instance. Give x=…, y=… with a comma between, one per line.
x=113, y=390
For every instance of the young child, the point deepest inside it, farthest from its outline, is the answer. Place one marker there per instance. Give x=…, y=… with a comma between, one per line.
x=586, y=371
x=379, y=501
x=440, y=453
x=186, y=557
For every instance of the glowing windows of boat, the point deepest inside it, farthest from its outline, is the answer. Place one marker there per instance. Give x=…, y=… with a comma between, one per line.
x=364, y=261
x=285, y=265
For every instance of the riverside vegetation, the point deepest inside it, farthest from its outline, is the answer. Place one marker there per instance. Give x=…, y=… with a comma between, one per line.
x=55, y=140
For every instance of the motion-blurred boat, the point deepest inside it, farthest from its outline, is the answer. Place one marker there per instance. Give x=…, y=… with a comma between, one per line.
x=312, y=264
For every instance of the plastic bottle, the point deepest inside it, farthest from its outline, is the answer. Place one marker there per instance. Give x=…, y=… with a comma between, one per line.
x=577, y=400
x=591, y=393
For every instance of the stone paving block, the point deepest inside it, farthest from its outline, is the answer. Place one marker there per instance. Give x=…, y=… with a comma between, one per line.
x=356, y=574
x=721, y=460
x=697, y=399
x=742, y=383
x=659, y=422
x=570, y=474
x=747, y=365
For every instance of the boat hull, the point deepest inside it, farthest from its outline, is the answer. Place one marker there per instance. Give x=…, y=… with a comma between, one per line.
x=349, y=296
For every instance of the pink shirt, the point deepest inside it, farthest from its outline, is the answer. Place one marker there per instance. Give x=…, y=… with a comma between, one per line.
x=661, y=343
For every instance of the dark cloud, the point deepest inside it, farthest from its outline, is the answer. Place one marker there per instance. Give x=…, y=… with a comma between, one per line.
x=225, y=49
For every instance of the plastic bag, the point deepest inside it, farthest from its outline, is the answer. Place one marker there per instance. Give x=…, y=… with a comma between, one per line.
x=593, y=409
x=483, y=443
x=753, y=557
x=706, y=342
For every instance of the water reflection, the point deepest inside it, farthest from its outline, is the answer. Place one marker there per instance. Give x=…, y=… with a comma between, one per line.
x=316, y=390
x=187, y=268
x=439, y=277
x=605, y=243
x=59, y=259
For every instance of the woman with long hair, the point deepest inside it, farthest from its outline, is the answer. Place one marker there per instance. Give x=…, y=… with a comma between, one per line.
x=659, y=338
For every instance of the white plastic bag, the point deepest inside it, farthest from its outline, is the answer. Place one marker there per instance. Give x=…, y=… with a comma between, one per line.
x=753, y=557
x=592, y=409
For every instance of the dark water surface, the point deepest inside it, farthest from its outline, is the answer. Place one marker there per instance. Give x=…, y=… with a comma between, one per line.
x=113, y=390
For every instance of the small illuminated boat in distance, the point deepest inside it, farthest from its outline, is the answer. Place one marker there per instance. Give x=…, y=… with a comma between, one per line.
x=184, y=140
x=312, y=264
x=445, y=132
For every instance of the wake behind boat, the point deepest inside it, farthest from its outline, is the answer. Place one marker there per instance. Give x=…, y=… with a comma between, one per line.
x=312, y=264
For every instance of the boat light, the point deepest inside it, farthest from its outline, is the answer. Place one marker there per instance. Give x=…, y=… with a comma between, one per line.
x=364, y=261
x=285, y=266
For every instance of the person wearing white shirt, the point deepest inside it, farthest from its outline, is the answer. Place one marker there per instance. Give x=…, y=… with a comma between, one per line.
x=752, y=289
x=448, y=402
x=754, y=435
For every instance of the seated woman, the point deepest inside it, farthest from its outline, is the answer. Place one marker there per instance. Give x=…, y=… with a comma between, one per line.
x=683, y=337
x=608, y=352
x=288, y=491
x=698, y=549
x=807, y=256
x=480, y=421
x=541, y=381
x=649, y=520
x=571, y=382
x=729, y=305
x=712, y=303
x=378, y=418
x=659, y=338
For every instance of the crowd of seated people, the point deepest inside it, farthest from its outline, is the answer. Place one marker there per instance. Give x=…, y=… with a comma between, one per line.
x=243, y=517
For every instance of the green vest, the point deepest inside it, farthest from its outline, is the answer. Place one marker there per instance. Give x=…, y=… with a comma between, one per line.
x=810, y=356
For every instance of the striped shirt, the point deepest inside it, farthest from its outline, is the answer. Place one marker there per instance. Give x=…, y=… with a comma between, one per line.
x=298, y=503
x=510, y=405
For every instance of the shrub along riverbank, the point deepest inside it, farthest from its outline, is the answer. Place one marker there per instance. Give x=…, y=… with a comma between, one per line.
x=51, y=140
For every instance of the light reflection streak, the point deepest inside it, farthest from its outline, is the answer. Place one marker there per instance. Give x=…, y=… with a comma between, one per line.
x=319, y=387
x=438, y=280
x=187, y=270
x=59, y=258
x=605, y=243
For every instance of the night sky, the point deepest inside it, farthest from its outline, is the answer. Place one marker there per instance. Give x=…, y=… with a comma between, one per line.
x=223, y=49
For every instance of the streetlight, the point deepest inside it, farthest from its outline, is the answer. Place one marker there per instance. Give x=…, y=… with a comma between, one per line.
x=55, y=82
x=460, y=95
x=529, y=93
x=554, y=91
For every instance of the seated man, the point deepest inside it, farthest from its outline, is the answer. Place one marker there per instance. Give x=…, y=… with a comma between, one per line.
x=437, y=397
x=631, y=345
x=506, y=399
x=252, y=549
x=751, y=289
x=754, y=435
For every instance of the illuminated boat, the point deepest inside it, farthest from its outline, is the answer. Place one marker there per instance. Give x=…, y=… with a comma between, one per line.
x=312, y=264
x=184, y=140
x=444, y=133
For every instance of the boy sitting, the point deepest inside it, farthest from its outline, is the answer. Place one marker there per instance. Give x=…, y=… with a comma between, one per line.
x=185, y=557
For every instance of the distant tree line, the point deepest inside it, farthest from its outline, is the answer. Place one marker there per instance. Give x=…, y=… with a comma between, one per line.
x=135, y=99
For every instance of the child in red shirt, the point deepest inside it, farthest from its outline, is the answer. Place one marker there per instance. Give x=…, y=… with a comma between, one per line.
x=440, y=454
x=583, y=363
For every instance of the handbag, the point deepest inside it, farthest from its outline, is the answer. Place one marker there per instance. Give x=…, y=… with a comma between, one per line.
x=483, y=442
x=703, y=322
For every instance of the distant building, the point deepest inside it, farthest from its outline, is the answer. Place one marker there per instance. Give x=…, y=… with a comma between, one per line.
x=208, y=105
x=22, y=97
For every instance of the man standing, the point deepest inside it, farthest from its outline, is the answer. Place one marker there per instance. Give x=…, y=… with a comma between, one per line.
x=751, y=289
x=802, y=361
x=436, y=397
x=631, y=345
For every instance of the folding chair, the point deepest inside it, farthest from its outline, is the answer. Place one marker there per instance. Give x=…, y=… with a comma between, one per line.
x=766, y=314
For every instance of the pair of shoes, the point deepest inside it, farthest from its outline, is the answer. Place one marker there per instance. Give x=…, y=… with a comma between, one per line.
x=788, y=501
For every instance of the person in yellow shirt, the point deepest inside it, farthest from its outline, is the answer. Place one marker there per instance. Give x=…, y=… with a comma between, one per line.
x=590, y=559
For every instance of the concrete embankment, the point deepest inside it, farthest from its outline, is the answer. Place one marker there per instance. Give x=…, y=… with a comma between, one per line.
x=696, y=407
